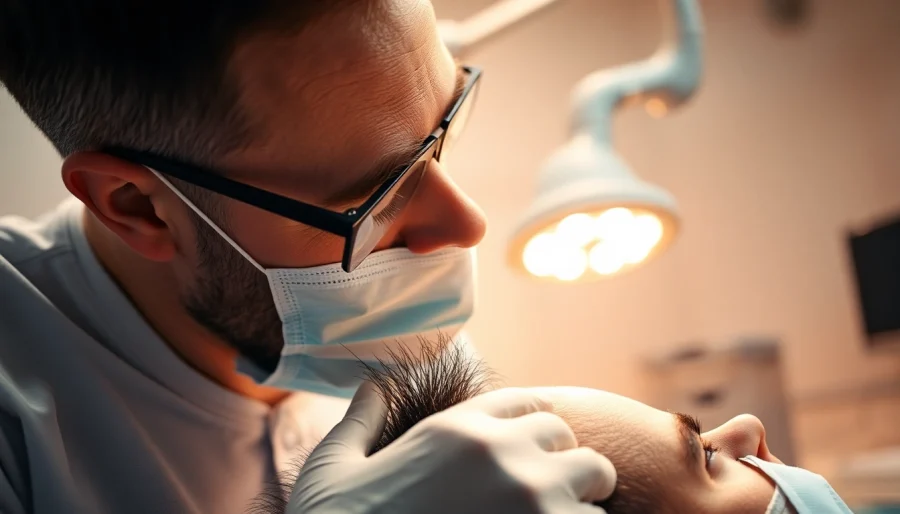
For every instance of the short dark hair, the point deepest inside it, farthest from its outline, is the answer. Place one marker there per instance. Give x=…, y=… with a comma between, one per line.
x=151, y=75
x=415, y=387
x=445, y=374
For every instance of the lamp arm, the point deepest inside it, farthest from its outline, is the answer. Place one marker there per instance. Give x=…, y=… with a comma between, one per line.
x=670, y=77
x=461, y=37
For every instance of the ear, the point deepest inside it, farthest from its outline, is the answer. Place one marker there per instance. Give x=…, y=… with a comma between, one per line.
x=127, y=198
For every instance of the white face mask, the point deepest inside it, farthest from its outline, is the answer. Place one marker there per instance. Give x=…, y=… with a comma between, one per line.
x=332, y=319
x=804, y=491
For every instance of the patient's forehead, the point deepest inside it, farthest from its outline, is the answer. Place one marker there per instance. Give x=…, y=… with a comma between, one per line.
x=597, y=404
x=615, y=424
x=645, y=446
x=641, y=441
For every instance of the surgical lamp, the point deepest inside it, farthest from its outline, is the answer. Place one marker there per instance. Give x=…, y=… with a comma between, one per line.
x=591, y=216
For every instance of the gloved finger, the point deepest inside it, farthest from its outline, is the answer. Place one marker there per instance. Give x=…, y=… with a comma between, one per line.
x=509, y=402
x=591, y=475
x=548, y=430
x=361, y=426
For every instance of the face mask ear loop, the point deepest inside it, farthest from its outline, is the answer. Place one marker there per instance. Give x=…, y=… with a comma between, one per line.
x=205, y=218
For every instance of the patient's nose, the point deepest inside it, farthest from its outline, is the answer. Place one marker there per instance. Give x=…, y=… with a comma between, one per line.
x=741, y=436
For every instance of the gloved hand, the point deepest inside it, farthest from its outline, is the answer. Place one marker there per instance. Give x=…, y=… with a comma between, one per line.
x=503, y=451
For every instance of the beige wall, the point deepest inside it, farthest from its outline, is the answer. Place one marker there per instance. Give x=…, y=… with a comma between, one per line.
x=29, y=167
x=791, y=139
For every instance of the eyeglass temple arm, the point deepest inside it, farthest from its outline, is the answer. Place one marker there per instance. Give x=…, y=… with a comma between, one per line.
x=663, y=82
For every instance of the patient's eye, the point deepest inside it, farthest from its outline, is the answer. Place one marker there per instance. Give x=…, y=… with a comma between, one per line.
x=709, y=450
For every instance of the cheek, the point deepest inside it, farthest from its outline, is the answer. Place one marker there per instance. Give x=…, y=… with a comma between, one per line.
x=276, y=242
x=738, y=489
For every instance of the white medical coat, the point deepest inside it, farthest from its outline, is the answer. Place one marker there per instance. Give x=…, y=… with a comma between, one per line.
x=98, y=414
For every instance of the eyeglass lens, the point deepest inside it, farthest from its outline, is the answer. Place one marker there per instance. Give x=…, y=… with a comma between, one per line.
x=379, y=220
x=382, y=216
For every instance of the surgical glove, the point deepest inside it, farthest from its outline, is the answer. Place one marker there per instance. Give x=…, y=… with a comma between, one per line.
x=503, y=451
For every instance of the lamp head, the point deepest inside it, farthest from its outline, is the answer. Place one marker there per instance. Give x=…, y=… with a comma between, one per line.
x=592, y=217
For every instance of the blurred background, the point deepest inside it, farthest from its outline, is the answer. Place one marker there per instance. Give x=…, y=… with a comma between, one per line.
x=790, y=143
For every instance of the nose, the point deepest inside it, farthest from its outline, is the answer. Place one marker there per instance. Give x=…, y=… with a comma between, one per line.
x=741, y=436
x=440, y=215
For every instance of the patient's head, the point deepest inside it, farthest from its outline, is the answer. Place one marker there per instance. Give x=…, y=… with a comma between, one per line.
x=664, y=464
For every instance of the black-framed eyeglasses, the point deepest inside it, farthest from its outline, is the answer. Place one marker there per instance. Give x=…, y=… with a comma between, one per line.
x=361, y=227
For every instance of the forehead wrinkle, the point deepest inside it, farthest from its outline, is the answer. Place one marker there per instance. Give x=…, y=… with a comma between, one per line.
x=367, y=89
x=380, y=47
x=396, y=124
x=272, y=68
x=397, y=135
x=409, y=139
x=400, y=137
x=391, y=98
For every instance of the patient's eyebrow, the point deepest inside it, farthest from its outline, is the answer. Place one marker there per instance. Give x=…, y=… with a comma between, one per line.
x=689, y=431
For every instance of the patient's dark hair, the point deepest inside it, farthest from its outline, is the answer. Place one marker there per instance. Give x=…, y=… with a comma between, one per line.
x=444, y=375
x=414, y=388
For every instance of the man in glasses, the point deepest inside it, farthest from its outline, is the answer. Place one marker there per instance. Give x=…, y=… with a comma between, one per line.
x=261, y=201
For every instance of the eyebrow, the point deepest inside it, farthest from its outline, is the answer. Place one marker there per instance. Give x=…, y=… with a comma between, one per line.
x=689, y=430
x=389, y=165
